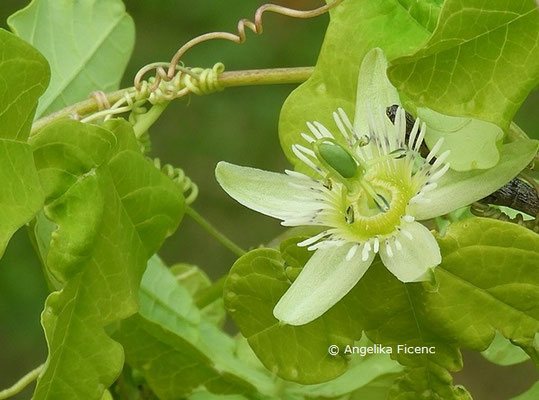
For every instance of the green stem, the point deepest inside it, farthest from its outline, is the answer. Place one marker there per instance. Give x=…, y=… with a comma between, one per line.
x=21, y=384
x=199, y=219
x=273, y=76
x=146, y=120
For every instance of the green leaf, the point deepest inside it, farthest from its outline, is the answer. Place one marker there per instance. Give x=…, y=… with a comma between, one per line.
x=474, y=144
x=530, y=394
x=425, y=12
x=391, y=312
x=297, y=353
x=367, y=374
x=502, y=352
x=196, y=281
x=488, y=281
x=176, y=349
x=354, y=29
x=481, y=61
x=112, y=209
x=79, y=39
x=257, y=281
x=25, y=75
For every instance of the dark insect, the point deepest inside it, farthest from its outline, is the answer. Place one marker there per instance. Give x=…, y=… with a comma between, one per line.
x=391, y=113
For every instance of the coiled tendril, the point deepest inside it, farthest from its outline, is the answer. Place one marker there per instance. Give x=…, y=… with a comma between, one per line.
x=166, y=71
x=188, y=187
x=172, y=80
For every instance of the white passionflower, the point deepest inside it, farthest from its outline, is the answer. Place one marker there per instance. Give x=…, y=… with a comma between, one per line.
x=367, y=187
x=364, y=197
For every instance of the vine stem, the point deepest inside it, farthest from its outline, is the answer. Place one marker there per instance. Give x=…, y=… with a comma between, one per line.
x=272, y=76
x=229, y=244
x=21, y=383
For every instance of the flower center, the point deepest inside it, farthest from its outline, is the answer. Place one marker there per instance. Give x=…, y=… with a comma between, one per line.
x=365, y=187
x=363, y=217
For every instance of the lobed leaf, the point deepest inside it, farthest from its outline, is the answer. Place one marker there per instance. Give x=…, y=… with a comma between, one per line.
x=390, y=312
x=79, y=39
x=481, y=61
x=488, y=282
x=25, y=75
x=111, y=209
x=297, y=353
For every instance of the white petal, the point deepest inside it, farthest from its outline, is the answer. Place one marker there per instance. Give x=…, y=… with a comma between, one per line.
x=458, y=189
x=416, y=256
x=326, y=278
x=269, y=193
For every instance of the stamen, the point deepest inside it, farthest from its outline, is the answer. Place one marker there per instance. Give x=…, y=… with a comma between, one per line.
x=349, y=216
x=307, y=220
x=376, y=244
x=305, y=150
x=379, y=200
x=352, y=252
x=398, y=244
x=313, y=239
x=440, y=173
x=341, y=127
x=345, y=119
x=366, y=251
x=307, y=138
x=400, y=126
x=323, y=130
x=421, y=137
x=325, y=244
x=300, y=175
x=413, y=134
x=434, y=150
x=315, y=131
x=303, y=158
x=389, y=251
x=440, y=160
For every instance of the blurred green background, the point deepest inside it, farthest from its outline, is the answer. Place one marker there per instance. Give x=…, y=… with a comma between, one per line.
x=238, y=125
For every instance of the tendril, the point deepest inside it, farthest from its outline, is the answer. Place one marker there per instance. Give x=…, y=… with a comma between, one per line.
x=255, y=26
x=199, y=81
x=188, y=187
x=483, y=210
